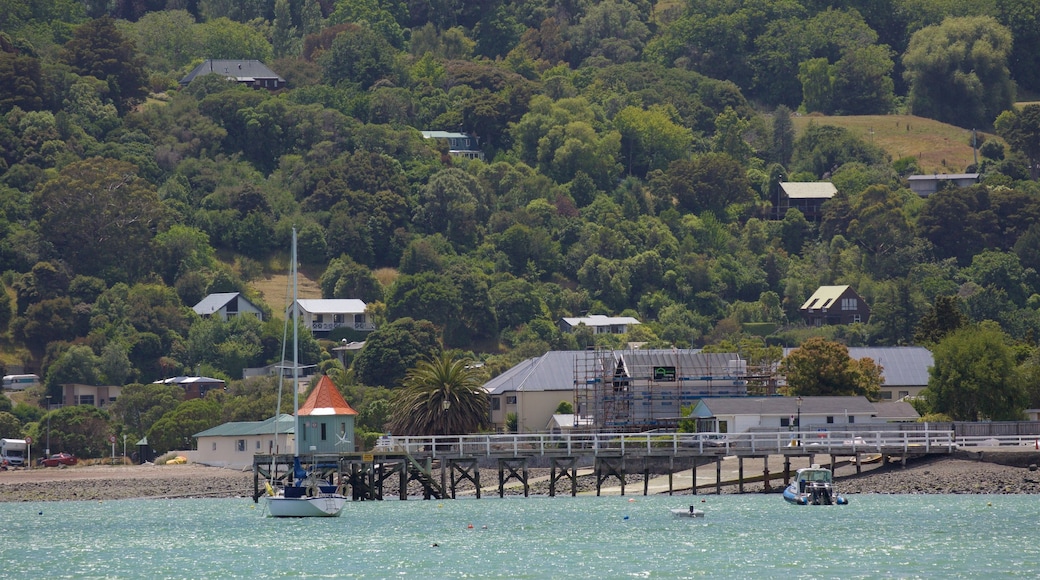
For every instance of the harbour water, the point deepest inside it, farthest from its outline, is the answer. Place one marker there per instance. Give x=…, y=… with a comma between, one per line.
x=749, y=536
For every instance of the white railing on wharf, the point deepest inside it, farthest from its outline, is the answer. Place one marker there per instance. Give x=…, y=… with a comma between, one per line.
x=664, y=444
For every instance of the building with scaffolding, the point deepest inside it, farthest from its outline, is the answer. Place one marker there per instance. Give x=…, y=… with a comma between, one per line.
x=637, y=390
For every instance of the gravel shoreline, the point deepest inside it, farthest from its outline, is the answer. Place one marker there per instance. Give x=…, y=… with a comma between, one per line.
x=961, y=474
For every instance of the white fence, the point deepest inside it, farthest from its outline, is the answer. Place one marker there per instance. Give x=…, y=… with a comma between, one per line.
x=664, y=444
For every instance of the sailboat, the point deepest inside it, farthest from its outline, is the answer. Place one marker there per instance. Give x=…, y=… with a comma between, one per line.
x=307, y=496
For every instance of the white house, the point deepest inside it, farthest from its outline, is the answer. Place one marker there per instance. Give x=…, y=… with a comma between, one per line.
x=599, y=323
x=740, y=414
x=324, y=315
x=234, y=444
x=224, y=305
x=459, y=144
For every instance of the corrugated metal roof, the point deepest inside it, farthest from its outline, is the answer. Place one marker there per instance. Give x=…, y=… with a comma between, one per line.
x=601, y=320
x=553, y=371
x=186, y=381
x=214, y=302
x=901, y=365
x=556, y=370
x=808, y=189
x=897, y=410
x=243, y=70
x=443, y=135
x=283, y=423
x=332, y=306
x=824, y=297
x=783, y=406
x=943, y=176
x=688, y=363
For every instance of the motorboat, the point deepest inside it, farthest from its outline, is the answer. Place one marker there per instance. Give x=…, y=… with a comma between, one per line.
x=688, y=513
x=814, y=486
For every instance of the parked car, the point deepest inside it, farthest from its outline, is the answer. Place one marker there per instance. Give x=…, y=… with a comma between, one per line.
x=59, y=459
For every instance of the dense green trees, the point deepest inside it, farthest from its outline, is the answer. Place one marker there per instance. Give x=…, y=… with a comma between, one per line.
x=823, y=368
x=957, y=71
x=974, y=376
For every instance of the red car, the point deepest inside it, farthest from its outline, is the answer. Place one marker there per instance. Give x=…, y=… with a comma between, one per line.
x=59, y=459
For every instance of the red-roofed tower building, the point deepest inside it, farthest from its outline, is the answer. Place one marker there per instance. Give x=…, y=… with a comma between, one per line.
x=326, y=421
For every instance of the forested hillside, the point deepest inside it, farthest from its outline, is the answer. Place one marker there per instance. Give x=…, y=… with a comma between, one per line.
x=632, y=155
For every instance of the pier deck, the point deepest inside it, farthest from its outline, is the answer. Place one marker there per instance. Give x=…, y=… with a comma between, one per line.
x=430, y=460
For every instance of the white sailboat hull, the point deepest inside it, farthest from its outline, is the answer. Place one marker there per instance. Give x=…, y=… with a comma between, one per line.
x=326, y=505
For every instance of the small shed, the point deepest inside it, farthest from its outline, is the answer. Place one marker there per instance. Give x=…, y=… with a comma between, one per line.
x=144, y=452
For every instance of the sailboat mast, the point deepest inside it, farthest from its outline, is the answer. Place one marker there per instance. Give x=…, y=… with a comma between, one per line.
x=296, y=351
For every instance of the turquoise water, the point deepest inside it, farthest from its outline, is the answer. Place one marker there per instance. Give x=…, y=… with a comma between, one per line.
x=751, y=536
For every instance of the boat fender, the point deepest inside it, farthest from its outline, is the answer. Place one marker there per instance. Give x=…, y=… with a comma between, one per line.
x=270, y=490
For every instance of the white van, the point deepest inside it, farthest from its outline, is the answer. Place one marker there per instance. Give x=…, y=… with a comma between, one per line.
x=20, y=382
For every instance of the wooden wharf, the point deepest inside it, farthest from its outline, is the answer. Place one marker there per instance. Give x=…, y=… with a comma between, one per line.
x=430, y=460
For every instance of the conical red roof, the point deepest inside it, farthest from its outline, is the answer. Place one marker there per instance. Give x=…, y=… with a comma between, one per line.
x=326, y=400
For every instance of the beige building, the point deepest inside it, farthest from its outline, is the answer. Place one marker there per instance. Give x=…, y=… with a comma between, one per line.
x=234, y=444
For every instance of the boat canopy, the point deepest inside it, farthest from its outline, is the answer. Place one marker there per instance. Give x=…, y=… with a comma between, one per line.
x=822, y=475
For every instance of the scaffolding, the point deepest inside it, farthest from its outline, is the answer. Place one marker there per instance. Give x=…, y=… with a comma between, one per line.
x=639, y=390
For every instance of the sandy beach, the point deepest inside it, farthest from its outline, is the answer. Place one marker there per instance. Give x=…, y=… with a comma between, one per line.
x=961, y=474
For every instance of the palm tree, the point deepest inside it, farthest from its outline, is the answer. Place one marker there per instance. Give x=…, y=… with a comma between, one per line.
x=441, y=396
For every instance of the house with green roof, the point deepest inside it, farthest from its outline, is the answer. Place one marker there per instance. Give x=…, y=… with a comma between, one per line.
x=234, y=444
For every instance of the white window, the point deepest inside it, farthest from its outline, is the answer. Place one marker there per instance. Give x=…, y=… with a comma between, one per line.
x=849, y=304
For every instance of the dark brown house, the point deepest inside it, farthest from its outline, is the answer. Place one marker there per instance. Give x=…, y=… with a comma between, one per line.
x=835, y=305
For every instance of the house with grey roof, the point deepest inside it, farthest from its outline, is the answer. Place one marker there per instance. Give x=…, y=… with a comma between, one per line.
x=741, y=414
x=805, y=196
x=225, y=305
x=251, y=73
x=904, y=369
x=925, y=185
x=459, y=144
x=194, y=387
x=234, y=444
x=324, y=315
x=533, y=390
x=599, y=323
x=835, y=305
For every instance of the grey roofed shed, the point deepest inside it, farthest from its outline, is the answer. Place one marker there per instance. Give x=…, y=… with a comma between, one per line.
x=783, y=406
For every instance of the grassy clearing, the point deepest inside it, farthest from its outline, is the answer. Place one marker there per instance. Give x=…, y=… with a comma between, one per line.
x=938, y=147
x=275, y=287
